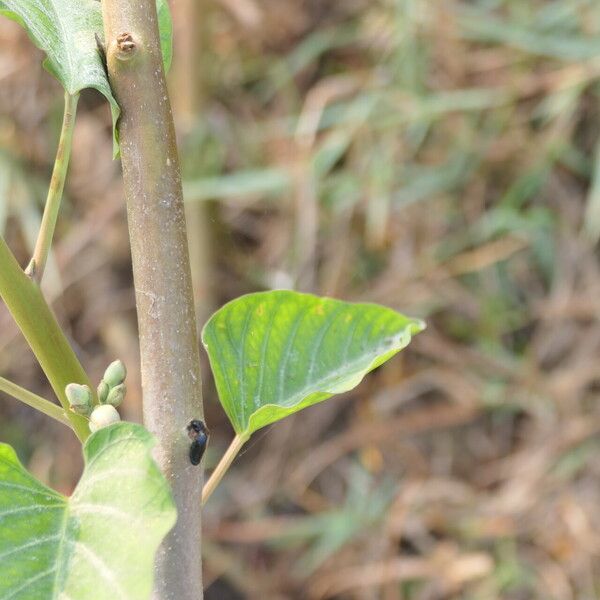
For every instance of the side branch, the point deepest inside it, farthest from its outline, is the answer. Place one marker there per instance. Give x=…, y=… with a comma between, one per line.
x=38, y=324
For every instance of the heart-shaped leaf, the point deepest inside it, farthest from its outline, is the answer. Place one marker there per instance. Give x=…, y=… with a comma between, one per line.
x=275, y=353
x=66, y=31
x=100, y=543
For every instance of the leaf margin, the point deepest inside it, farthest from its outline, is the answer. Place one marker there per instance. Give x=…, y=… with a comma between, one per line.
x=413, y=326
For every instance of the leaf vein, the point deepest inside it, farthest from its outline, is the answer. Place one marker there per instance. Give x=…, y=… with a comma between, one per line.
x=29, y=582
x=287, y=353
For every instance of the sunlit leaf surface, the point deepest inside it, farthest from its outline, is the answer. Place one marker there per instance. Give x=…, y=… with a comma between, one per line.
x=100, y=543
x=275, y=353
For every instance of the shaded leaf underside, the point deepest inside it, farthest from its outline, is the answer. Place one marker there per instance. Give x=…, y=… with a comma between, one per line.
x=66, y=31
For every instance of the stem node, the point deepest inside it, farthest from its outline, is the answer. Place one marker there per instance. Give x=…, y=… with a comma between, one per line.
x=31, y=270
x=126, y=46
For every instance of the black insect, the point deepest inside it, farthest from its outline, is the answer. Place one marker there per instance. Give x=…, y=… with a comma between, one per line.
x=198, y=433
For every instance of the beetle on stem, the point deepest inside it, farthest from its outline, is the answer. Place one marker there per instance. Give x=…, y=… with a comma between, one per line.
x=198, y=433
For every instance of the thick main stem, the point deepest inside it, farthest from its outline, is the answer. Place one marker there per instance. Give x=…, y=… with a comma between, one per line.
x=168, y=341
x=55, y=190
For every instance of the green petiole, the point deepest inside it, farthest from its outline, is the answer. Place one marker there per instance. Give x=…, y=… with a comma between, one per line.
x=38, y=324
x=35, y=401
x=36, y=266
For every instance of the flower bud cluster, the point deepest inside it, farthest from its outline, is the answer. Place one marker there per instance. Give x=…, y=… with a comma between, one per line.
x=111, y=392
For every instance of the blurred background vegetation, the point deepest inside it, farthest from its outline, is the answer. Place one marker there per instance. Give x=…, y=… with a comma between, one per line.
x=439, y=157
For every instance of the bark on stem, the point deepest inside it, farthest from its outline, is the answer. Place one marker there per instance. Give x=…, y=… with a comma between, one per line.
x=168, y=342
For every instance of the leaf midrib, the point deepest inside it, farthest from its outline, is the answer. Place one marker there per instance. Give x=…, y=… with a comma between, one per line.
x=59, y=557
x=68, y=54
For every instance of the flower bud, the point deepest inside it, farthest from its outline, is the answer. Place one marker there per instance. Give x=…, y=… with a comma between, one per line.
x=103, y=390
x=115, y=374
x=116, y=395
x=79, y=397
x=103, y=415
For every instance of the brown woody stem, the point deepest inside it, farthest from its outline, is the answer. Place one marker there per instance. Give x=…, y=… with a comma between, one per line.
x=168, y=341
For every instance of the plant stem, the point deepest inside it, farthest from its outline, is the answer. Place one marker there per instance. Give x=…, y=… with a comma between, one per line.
x=43, y=334
x=36, y=266
x=170, y=361
x=35, y=401
x=224, y=464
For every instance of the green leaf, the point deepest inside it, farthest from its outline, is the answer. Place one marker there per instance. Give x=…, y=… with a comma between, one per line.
x=65, y=30
x=165, y=28
x=275, y=353
x=100, y=543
